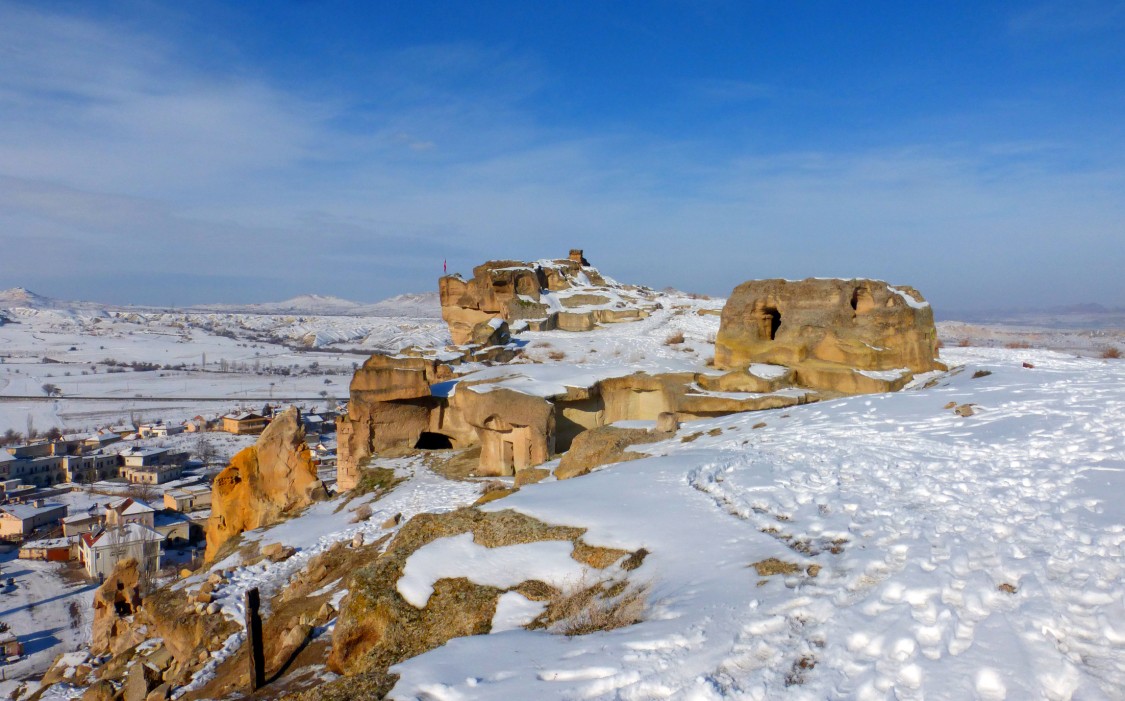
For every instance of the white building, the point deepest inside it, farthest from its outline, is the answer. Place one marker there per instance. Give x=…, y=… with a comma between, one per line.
x=100, y=552
x=125, y=511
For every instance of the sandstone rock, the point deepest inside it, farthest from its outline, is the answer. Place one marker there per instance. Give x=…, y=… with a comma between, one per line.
x=185, y=573
x=666, y=422
x=295, y=639
x=376, y=627
x=326, y=613
x=102, y=690
x=140, y=681
x=601, y=446
x=160, y=693
x=964, y=410
x=117, y=599
x=204, y=597
x=263, y=483
x=357, y=540
x=493, y=332
x=515, y=430
x=512, y=290
x=830, y=332
x=213, y=608
x=390, y=407
x=215, y=579
x=271, y=549
x=531, y=475
x=392, y=521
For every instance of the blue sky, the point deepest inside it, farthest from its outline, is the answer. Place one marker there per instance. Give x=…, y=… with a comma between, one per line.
x=175, y=153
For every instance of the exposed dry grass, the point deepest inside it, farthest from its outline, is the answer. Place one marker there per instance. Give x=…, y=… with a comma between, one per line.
x=710, y=362
x=981, y=373
x=557, y=355
x=771, y=566
x=1111, y=353
x=1017, y=344
x=964, y=343
x=589, y=608
x=675, y=339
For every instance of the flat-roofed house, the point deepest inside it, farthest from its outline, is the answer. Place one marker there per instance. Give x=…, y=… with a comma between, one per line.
x=246, y=422
x=20, y=520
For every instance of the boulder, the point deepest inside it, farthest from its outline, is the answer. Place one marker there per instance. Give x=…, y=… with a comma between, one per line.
x=263, y=483
x=666, y=422
x=838, y=335
x=601, y=446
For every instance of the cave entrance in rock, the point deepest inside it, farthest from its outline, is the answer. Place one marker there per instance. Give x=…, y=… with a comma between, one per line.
x=771, y=322
x=433, y=441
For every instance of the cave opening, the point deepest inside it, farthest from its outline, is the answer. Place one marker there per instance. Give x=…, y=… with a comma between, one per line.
x=772, y=319
x=433, y=441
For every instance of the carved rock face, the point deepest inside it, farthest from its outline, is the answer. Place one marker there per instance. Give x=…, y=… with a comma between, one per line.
x=827, y=329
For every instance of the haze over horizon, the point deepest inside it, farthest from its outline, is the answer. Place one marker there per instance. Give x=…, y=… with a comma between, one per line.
x=153, y=154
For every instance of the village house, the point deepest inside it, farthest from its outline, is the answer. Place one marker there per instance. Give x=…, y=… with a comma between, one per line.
x=129, y=510
x=244, y=423
x=49, y=463
x=17, y=521
x=151, y=465
x=50, y=549
x=188, y=499
x=83, y=522
x=100, y=552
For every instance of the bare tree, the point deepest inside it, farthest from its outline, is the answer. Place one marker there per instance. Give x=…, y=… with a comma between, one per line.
x=52, y=390
x=31, y=432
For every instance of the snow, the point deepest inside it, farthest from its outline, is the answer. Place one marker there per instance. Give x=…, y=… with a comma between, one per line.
x=514, y=611
x=502, y=567
x=908, y=298
x=932, y=513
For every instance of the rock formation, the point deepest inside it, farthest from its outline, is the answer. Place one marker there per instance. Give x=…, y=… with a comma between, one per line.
x=378, y=627
x=565, y=294
x=263, y=483
x=390, y=407
x=849, y=336
x=116, y=601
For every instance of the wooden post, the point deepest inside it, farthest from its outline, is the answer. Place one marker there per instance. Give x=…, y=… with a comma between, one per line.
x=257, y=658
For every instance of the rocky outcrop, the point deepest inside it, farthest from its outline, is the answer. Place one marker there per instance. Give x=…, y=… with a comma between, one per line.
x=846, y=336
x=390, y=407
x=116, y=601
x=515, y=430
x=126, y=616
x=263, y=483
x=564, y=294
x=377, y=627
x=602, y=446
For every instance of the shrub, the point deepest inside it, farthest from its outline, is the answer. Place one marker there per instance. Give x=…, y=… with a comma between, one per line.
x=556, y=355
x=1111, y=352
x=674, y=339
x=1017, y=344
x=587, y=609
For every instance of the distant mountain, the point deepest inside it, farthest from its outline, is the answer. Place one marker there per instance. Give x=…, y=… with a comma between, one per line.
x=21, y=297
x=421, y=305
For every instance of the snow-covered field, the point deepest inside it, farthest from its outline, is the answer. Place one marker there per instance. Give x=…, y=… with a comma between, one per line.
x=205, y=361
